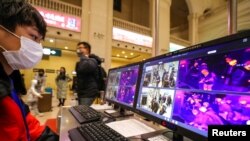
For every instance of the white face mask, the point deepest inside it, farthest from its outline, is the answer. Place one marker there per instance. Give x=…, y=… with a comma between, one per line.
x=79, y=53
x=29, y=54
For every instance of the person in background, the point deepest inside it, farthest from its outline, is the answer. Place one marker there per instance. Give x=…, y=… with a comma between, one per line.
x=33, y=96
x=41, y=80
x=62, y=80
x=86, y=71
x=21, y=30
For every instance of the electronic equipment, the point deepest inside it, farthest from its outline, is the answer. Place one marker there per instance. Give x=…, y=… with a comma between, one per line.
x=121, y=88
x=201, y=85
x=85, y=114
x=95, y=131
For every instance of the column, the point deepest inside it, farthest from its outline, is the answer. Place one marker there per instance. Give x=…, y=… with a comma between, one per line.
x=99, y=32
x=85, y=20
x=193, y=21
x=161, y=28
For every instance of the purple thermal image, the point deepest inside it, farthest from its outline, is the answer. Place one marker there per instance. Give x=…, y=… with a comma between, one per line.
x=202, y=109
x=126, y=94
x=224, y=72
x=127, y=86
x=129, y=77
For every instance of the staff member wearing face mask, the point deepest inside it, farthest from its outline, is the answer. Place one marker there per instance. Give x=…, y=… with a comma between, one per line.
x=21, y=30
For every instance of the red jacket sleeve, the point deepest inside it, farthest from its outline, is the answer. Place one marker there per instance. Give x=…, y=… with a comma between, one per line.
x=35, y=129
x=12, y=127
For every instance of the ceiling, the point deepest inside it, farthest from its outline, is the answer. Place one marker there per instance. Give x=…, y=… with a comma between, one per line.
x=119, y=54
x=128, y=55
x=60, y=43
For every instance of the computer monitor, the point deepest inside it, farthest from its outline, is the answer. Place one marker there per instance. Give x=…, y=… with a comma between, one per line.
x=205, y=84
x=121, y=88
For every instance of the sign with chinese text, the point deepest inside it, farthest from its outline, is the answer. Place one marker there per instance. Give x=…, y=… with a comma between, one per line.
x=132, y=37
x=60, y=20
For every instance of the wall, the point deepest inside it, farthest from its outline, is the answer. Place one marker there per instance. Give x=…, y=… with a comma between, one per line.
x=116, y=63
x=140, y=14
x=126, y=12
x=136, y=11
x=215, y=25
x=67, y=60
x=74, y=2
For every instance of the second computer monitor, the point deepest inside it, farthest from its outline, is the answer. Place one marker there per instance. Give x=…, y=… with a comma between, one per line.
x=122, y=85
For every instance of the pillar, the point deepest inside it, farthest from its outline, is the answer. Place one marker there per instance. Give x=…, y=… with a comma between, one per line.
x=85, y=20
x=193, y=21
x=97, y=28
x=161, y=26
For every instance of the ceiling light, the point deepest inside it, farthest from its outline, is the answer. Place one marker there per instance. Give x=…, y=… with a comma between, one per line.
x=126, y=56
x=118, y=55
x=51, y=40
x=131, y=53
x=66, y=47
x=123, y=52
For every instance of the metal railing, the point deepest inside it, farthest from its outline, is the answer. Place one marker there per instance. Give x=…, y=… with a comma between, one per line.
x=58, y=6
x=131, y=26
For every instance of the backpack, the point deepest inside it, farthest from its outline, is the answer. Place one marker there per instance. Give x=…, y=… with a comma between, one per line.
x=101, y=78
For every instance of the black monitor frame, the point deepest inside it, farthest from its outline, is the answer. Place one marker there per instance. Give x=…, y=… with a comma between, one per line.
x=118, y=105
x=234, y=39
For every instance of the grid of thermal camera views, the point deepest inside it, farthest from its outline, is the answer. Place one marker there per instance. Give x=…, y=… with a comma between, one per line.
x=121, y=85
x=197, y=92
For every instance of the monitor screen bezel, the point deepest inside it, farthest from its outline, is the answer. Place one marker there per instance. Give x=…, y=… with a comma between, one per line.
x=177, y=128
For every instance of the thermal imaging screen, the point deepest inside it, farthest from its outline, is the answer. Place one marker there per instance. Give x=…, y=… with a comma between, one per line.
x=213, y=89
x=157, y=87
x=121, y=85
x=222, y=72
x=198, y=88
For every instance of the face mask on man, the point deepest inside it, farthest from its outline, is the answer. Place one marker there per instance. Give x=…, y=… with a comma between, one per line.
x=79, y=53
x=29, y=54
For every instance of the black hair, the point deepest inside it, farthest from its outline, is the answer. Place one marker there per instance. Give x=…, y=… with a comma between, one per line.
x=86, y=45
x=61, y=76
x=63, y=69
x=19, y=12
x=41, y=70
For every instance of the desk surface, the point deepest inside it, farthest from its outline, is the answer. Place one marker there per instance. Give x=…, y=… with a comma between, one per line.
x=67, y=122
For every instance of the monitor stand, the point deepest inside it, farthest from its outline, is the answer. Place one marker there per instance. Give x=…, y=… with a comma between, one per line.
x=177, y=137
x=121, y=112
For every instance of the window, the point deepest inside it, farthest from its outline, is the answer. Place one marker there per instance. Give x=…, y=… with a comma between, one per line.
x=117, y=5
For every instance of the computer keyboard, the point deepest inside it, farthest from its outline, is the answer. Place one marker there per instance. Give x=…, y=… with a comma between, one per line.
x=95, y=131
x=85, y=114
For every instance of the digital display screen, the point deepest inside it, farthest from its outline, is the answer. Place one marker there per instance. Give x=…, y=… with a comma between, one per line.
x=121, y=85
x=197, y=88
